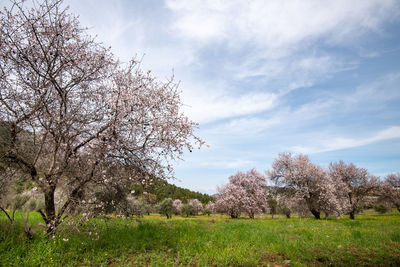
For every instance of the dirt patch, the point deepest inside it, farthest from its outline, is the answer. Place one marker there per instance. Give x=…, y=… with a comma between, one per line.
x=275, y=259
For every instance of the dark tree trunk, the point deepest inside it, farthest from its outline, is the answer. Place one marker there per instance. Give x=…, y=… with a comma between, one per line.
x=50, y=209
x=351, y=215
x=316, y=214
x=398, y=208
x=234, y=216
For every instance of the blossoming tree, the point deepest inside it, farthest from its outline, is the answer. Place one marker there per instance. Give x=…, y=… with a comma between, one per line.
x=355, y=185
x=308, y=181
x=245, y=192
x=91, y=118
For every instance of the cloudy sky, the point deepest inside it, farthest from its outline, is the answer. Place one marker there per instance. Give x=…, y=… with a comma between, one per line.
x=263, y=77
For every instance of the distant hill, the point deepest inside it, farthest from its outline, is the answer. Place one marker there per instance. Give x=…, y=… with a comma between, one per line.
x=161, y=189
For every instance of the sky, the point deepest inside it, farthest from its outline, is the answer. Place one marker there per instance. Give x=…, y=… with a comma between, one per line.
x=263, y=77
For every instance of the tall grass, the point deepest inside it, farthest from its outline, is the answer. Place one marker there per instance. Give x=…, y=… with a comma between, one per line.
x=204, y=241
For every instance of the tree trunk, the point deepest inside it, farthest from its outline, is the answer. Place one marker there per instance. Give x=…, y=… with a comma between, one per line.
x=316, y=214
x=50, y=208
x=351, y=215
x=398, y=208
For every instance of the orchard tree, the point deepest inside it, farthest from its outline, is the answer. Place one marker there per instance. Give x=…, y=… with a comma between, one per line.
x=188, y=210
x=210, y=208
x=178, y=206
x=355, y=185
x=197, y=205
x=390, y=191
x=228, y=200
x=244, y=193
x=308, y=181
x=90, y=119
x=166, y=208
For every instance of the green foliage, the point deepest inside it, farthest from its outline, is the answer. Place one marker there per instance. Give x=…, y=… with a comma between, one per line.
x=188, y=210
x=371, y=240
x=207, y=211
x=138, y=208
x=381, y=209
x=162, y=189
x=166, y=208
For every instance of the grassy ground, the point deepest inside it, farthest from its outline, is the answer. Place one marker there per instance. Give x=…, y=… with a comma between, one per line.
x=204, y=241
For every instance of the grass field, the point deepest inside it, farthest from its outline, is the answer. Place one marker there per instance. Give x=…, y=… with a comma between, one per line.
x=207, y=241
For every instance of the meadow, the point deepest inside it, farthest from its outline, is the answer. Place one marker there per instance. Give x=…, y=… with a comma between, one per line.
x=370, y=240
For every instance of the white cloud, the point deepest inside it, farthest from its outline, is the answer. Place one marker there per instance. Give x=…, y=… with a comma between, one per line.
x=379, y=91
x=273, y=24
x=232, y=164
x=292, y=72
x=338, y=143
x=210, y=105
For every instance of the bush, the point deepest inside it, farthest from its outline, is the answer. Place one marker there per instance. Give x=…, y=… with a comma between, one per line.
x=381, y=209
x=188, y=210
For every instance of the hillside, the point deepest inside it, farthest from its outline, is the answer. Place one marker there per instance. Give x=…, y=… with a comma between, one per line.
x=161, y=189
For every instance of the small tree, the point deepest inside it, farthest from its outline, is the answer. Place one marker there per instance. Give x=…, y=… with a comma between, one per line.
x=210, y=208
x=245, y=192
x=197, y=205
x=355, y=185
x=309, y=182
x=166, y=208
x=390, y=190
x=188, y=210
x=178, y=206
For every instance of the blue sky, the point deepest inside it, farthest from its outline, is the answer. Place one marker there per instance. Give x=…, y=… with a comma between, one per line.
x=263, y=77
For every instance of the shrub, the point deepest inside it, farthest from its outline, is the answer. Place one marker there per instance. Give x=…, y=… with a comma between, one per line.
x=381, y=209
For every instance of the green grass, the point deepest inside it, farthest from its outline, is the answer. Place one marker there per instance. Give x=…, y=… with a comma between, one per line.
x=204, y=241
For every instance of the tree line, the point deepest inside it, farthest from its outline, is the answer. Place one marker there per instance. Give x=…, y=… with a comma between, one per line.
x=303, y=187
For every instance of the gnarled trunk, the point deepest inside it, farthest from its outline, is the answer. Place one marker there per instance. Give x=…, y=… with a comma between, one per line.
x=316, y=214
x=50, y=217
